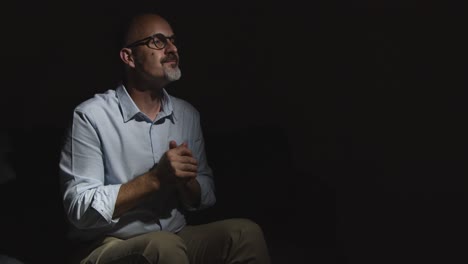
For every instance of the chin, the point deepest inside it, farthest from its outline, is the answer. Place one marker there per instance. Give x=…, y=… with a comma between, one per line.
x=173, y=74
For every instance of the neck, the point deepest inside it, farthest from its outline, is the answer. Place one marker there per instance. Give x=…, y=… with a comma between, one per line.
x=147, y=100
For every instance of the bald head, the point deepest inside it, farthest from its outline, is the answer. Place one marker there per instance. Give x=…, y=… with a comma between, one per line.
x=142, y=26
x=146, y=62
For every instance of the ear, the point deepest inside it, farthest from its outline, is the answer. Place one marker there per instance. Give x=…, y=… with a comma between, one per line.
x=126, y=56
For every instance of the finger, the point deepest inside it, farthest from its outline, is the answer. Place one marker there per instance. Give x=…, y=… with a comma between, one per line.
x=184, y=160
x=182, y=151
x=188, y=160
x=185, y=174
x=188, y=167
x=172, y=144
x=185, y=144
x=184, y=166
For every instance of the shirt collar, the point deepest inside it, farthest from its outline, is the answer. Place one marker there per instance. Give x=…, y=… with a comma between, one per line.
x=130, y=109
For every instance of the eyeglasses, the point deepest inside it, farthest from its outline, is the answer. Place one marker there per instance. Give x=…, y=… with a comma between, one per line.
x=157, y=41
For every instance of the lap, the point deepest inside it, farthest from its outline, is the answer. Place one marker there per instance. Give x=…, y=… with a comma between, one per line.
x=217, y=241
x=146, y=248
x=205, y=243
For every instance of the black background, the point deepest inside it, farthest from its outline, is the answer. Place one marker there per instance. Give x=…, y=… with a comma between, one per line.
x=337, y=125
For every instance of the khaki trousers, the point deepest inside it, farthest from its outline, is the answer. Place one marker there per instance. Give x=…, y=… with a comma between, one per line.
x=222, y=242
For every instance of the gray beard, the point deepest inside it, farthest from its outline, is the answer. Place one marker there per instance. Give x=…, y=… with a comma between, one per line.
x=172, y=74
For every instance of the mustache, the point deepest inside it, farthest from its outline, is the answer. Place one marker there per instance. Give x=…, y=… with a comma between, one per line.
x=170, y=57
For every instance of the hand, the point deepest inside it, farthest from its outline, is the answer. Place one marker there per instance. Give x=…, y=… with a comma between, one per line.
x=176, y=165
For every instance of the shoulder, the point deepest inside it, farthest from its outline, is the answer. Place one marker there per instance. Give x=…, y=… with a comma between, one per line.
x=99, y=103
x=182, y=107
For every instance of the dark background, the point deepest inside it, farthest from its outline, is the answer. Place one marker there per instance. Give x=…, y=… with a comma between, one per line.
x=337, y=126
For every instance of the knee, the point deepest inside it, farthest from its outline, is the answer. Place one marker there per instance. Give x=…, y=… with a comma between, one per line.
x=247, y=242
x=246, y=225
x=165, y=247
x=165, y=242
x=246, y=228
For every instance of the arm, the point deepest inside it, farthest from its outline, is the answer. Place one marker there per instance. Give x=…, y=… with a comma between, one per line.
x=177, y=166
x=188, y=187
x=198, y=193
x=134, y=192
x=88, y=202
x=190, y=193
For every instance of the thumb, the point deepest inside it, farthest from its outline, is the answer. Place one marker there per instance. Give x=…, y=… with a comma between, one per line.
x=172, y=144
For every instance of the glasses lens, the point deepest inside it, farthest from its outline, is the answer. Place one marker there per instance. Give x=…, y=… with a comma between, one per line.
x=159, y=41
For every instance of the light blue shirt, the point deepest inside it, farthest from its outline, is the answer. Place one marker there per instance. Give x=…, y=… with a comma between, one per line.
x=111, y=142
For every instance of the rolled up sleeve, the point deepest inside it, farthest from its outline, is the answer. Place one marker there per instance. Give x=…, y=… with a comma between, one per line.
x=88, y=202
x=205, y=174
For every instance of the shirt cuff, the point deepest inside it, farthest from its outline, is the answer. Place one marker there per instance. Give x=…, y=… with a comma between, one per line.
x=207, y=198
x=104, y=201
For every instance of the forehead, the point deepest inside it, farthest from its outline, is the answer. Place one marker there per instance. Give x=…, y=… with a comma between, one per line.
x=153, y=24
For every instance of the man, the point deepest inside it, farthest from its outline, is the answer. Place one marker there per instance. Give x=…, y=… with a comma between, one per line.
x=134, y=161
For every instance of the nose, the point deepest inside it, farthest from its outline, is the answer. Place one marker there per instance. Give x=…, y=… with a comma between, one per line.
x=170, y=47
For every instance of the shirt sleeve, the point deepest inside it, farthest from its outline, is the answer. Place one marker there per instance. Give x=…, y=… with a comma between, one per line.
x=88, y=202
x=205, y=174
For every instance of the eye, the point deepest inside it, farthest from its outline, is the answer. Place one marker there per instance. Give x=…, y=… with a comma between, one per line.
x=172, y=39
x=158, y=43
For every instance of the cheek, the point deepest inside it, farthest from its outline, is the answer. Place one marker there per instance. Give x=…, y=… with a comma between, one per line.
x=155, y=57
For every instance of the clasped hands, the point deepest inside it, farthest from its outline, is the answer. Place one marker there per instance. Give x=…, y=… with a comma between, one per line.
x=176, y=166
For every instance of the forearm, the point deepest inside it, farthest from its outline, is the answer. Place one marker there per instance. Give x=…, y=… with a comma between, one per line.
x=134, y=192
x=190, y=193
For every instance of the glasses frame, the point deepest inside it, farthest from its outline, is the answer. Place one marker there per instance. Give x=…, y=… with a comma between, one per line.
x=158, y=36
